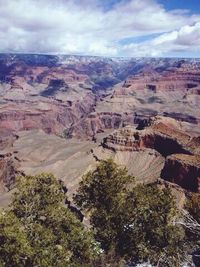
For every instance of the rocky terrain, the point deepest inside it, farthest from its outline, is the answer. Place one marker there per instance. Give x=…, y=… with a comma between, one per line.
x=62, y=114
x=172, y=155
x=82, y=96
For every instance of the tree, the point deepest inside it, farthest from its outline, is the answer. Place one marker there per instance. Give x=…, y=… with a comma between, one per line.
x=15, y=249
x=51, y=233
x=101, y=192
x=104, y=187
x=134, y=222
x=147, y=233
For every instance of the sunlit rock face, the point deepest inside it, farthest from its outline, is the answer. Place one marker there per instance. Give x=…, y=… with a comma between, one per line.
x=172, y=154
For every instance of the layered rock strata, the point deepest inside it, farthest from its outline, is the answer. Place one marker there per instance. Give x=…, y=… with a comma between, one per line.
x=164, y=137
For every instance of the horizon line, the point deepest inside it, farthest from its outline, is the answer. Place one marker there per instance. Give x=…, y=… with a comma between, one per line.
x=96, y=56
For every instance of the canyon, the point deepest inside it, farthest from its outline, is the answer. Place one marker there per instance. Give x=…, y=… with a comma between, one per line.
x=62, y=114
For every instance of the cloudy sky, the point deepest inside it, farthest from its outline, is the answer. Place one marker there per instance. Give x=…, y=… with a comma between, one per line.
x=130, y=28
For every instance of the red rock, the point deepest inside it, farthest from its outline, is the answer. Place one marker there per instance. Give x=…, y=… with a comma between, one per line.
x=183, y=170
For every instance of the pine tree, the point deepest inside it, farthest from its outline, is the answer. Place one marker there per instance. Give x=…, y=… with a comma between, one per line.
x=44, y=231
x=132, y=222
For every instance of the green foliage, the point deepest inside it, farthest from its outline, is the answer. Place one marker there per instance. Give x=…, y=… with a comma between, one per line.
x=15, y=249
x=35, y=194
x=44, y=232
x=147, y=232
x=103, y=188
x=101, y=192
x=134, y=222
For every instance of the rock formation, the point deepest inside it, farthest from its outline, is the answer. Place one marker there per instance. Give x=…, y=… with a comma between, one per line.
x=55, y=110
x=183, y=170
x=87, y=95
x=164, y=136
x=8, y=171
x=8, y=161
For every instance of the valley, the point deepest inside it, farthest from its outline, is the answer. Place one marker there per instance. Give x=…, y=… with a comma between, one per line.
x=63, y=114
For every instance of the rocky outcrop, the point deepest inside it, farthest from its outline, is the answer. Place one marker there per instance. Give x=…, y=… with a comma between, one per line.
x=164, y=137
x=171, y=91
x=99, y=122
x=8, y=161
x=183, y=170
x=8, y=171
x=178, y=192
x=159, y=135
x=184, y=78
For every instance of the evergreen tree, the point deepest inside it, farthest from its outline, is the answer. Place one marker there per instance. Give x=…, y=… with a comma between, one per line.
x=147, y=233
x=131, y=222
x=15, y=249
x=101, y=193
x=44, y=232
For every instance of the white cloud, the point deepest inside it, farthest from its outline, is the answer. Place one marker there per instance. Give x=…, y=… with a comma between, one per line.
x=184, y=40
x=84, y=27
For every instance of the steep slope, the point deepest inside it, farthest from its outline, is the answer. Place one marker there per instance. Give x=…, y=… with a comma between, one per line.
x=161, y=149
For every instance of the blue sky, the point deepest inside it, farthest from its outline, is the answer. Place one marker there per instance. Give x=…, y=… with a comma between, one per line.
x=129, y=28
x=192, y=5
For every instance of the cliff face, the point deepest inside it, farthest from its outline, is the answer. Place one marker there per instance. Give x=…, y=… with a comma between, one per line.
x=183, y=170
x=83, y=96
x=8, y=171
x=8, y=162
x=99, y=122
x=50, y=116
x=181, y=153
x=161, y=135
x=185, y=78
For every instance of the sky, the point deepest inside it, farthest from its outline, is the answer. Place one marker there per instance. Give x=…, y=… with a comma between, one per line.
x=113, y=28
